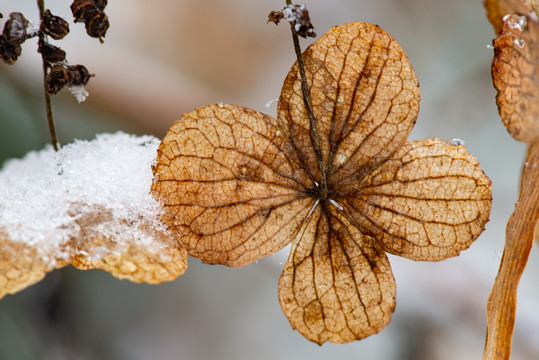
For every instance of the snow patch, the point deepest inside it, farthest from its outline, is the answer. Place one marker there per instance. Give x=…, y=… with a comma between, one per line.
x=112, y=172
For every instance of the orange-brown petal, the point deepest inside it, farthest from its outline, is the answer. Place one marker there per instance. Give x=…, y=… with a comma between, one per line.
x=227, y=186
x=337, y=284
x=428, y=202
x=365, y=98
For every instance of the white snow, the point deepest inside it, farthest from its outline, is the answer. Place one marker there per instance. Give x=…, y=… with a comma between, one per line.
x=79, y=92
x=515, y=21
x=111, y=172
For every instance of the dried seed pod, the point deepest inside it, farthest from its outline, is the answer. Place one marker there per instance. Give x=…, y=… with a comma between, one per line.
x=54, y=26
x=275, y=17
x=9, y=52
x=57, y=78
x=91, y=14
x=15, y=28
x=51, y=53
x=100, y=4
x=78, y=75
x=97, y=26
x=298, y=16
x=80, y=8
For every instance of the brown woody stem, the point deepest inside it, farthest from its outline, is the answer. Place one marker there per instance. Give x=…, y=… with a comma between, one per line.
x=48, y=106
x=519, y=234
x=315, y=138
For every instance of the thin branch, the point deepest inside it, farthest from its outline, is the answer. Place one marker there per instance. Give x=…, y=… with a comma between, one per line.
x=315, y=138
x=48, y=105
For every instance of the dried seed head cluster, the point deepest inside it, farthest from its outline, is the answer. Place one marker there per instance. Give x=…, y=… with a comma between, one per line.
x=58, y=73
x=297, y=16
x=61, y=75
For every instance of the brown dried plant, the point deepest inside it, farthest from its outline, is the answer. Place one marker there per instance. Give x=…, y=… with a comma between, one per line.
x=94, y=246
x=515, y=74
x=57, y=74
x=339, y=183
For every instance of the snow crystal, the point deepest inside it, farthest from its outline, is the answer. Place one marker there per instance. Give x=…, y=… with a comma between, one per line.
x=269, y=103
x=112, y=172
x=515, y=21
x=520, y=43
x=32, y=29
x=293, y=12
x=79, y=92
x=456, y=142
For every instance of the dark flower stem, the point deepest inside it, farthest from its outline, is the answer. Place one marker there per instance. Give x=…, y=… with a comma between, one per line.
x=315, y=138
x=48, y=106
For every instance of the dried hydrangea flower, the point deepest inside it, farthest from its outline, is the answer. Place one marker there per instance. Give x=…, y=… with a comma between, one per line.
x=238, y=185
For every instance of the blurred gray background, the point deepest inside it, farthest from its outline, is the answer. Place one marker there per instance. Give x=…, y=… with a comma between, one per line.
x=161, y=60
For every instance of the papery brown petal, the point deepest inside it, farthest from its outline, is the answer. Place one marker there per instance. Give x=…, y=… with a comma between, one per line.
x=21, y=265
x=365, y=97
x=337, y=284
x=515, y=74
x=428, y=202
x=227, y=186
x=153, y=258
x=498, y=9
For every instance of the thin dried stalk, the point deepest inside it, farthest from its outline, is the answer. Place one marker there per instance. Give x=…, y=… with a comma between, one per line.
x=48, y=106
x=520, y=230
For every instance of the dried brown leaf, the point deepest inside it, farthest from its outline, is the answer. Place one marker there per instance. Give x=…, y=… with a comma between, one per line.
x=239, y=185
x=153, y=257
x=152, y=262
x=515, y=74
x=21, y=265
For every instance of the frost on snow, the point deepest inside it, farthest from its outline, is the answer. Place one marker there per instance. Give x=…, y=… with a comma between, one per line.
x=88, y=204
